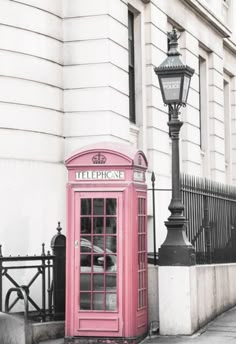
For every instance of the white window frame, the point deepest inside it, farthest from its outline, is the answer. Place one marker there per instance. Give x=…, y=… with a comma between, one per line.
x=204, y=111
x=227, y=128
x=138, y=129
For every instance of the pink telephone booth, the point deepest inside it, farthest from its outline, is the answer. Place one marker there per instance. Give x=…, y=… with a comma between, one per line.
x=106, y=282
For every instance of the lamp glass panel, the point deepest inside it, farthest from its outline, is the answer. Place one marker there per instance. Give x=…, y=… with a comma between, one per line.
x=185, y=89
x=171, y=87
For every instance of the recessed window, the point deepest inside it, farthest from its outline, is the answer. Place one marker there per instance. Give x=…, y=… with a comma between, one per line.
x=227, y=128
x=202, y=85
x=204, y=110
x=132, y=114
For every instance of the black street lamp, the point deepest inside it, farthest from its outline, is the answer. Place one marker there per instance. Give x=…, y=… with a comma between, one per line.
x=174, y=78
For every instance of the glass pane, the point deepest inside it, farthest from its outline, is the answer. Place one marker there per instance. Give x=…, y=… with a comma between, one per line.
x=85, y=261
x=130, y=24
x=111, y=225
x=145, y=279
x=110, y=206
x=85, y=244
x=144, y=298
x=85, y=206
x=110, y=263
x=143, y=242
x=85, y=282
x=98, y=225
x=98, y=263
x=171, y=88
x=110, y=302
x=110, y=282
x=144, y=225
x=85, y=225
x=139, y=206
x=139, y=280
x=139, y=225
x=98, y=282
x=139, y=261
x=85, y=301
x=140, y=299
x=98, y=241
x=98, y=301
x=131, y=95
x=111, y=243
x=185, y=88
x=98, y=206
x=143, y=206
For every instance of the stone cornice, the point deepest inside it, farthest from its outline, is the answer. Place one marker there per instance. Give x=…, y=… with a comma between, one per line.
x=206, y=14
x=230, y=45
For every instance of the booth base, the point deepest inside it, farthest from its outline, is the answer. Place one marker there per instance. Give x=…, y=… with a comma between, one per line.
x=103, y=340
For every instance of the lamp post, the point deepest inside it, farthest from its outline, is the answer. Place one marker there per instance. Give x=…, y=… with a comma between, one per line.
x=174, y=78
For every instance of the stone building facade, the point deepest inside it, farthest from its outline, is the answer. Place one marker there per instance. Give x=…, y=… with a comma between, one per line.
x=79, y=72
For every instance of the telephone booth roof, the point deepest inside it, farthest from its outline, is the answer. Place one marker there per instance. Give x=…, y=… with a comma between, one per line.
x=108, y=154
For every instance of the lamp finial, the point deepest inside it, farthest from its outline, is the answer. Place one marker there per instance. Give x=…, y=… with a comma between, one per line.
x=173, y=42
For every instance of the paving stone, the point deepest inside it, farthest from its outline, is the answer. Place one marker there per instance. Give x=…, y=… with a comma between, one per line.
x=220, y=331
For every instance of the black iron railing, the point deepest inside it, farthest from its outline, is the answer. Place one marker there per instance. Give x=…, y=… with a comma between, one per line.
x=210, y=209
x=41, y=273
x=45, y=271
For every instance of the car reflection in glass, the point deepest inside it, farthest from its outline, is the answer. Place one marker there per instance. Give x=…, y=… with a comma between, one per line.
x=94, y=260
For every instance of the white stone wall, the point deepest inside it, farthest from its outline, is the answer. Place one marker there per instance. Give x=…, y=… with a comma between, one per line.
x=64, y=84
x=216, y=290
x=32, y=183
x=196, y=294
x=95, y=73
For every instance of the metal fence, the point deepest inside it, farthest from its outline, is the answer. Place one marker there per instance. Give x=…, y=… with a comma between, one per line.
x=210, y=209
x=41, y=270
x=46, y=271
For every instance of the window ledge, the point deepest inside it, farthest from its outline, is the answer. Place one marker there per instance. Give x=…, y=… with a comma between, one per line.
x=133, y=128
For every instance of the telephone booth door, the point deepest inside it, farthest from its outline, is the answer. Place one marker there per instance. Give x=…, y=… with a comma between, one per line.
x=98, y=267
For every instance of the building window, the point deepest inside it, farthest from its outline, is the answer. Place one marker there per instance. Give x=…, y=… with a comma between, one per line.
x=225, y=10
x=204, y=111
x=132, y=114
x=202, y=98
x=227, y=129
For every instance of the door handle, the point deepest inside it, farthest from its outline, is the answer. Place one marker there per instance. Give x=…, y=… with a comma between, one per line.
x=76, y=243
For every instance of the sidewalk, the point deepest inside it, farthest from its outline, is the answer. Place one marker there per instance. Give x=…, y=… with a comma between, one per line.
x=222, y=330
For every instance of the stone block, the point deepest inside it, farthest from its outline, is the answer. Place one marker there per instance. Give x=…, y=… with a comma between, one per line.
x=30, y=43
x=30, y=18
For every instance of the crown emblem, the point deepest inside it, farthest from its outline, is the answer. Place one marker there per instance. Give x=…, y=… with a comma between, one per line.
x=99, y=159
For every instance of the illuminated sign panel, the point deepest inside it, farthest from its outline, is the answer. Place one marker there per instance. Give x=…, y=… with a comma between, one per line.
x=171, y=87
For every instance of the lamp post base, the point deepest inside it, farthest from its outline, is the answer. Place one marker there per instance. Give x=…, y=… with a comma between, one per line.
x=177, y=256
x=176, y=249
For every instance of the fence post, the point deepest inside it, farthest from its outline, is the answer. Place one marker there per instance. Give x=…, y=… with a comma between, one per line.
x=207, y=231
x=154, y=218
x=233, y=244
x=58, y=245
